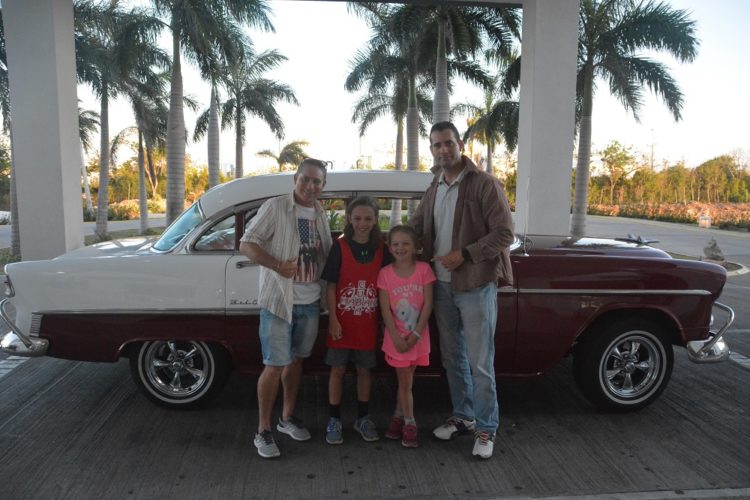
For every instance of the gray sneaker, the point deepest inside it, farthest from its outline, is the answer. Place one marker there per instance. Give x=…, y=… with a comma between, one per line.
x=333, y=431
x=366, y=428
x=294, y=427
x=266, y=445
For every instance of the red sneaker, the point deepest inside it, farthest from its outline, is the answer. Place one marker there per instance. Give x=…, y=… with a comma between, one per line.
x=396, y=429
x=409, y=436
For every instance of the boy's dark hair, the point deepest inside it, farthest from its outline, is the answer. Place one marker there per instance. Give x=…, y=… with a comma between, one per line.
x=312, y=162
x=440, y=126
x=363, y=201
x=403, y=228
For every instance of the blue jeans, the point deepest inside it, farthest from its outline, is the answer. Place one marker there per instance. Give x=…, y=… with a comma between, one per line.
x=466, y=322
x=281, y=342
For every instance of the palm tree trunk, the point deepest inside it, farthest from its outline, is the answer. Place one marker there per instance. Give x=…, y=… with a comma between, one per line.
x=238, y=168
x=15, y=232
x=142, y=200
x=151, y=173
x=580, y=197
x=213, y=139
x=441, y=103
x=103, y=194
x=86, y=190
x=488, y=166
x=175, y=136
x=399, y=163
x=412, y=137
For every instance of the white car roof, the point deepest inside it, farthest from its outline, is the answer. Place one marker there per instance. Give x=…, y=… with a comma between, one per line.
x=266, y=186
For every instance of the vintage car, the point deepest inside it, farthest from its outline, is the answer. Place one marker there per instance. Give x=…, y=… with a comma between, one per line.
x=183, y=307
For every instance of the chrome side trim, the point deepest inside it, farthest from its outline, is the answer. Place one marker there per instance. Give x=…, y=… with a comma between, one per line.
x=612, y=291
x=714, y=349
x=244, y=311
x=135, y=311
x=18, y=343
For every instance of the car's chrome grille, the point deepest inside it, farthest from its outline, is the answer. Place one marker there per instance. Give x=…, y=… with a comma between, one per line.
x=36, y=324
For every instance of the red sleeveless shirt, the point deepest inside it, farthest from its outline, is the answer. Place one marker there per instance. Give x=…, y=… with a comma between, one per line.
x=357, y=300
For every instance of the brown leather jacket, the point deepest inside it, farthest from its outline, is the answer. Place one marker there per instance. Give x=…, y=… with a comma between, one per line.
x=482, y=224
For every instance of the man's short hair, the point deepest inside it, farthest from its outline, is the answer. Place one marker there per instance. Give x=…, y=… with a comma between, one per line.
x=312, y=162
x=440, y=126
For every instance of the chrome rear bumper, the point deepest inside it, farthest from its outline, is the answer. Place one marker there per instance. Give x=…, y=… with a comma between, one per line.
x=714, y=349
x=16, y=342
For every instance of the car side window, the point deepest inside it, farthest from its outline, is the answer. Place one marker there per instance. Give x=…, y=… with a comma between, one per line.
x=220, y=237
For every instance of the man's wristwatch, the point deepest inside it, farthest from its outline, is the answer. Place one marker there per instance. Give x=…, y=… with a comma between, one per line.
x=465, y=253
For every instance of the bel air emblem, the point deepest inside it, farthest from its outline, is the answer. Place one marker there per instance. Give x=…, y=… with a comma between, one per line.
x=243, y=302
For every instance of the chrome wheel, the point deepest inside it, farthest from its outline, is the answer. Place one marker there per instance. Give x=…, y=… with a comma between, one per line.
x=623, y=365
x=632, y=365
x=178, y=373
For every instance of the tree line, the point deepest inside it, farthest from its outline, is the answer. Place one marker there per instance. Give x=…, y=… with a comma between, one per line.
x=723, y=179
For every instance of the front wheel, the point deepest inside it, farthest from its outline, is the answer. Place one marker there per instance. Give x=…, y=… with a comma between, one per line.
x=179, y=373
x=626, y=366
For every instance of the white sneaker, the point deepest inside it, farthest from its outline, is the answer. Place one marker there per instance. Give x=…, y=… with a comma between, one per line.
x=484, y=444
x=293, y=427
x=453, y=427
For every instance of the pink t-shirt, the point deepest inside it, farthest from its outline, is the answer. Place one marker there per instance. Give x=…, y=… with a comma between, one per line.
x=406, y=300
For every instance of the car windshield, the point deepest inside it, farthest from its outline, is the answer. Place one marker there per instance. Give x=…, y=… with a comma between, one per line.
x=185, y=223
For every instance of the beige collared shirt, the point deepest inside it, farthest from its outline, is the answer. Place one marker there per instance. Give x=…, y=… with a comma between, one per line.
x=275, y=229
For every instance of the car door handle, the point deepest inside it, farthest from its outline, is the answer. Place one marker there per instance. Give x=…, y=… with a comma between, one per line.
x=244, y=263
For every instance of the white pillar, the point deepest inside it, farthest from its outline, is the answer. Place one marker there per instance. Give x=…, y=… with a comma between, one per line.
x=547, y=107
x=41, y=72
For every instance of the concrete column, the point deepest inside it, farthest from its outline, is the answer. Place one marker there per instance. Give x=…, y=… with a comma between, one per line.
x=41, y=72
x=547, y=107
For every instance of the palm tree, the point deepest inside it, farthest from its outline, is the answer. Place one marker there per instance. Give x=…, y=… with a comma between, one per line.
x=459, y=31
x=394, y=57
x=197, y=28
x=213, y=69
x=610, y=35
x=497, y=119
x=114, y=50
x=15, y=235
x=88, y=124
x=374, y=105
x=250, y=93
x=148, y=101
x=291, y=154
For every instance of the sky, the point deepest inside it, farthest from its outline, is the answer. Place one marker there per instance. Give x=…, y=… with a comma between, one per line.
x=320, y=39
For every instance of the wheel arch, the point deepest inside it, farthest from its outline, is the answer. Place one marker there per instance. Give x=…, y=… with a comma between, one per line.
x=664, y=320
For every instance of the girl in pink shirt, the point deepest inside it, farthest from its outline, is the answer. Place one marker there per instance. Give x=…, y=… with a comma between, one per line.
x=405, y=293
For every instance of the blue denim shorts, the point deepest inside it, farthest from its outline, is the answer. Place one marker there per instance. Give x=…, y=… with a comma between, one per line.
x=281, y=342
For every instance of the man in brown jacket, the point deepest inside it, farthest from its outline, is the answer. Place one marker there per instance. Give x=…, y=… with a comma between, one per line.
x=465, y=224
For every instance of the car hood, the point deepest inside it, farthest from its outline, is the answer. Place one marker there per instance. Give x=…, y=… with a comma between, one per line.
x=112, y=248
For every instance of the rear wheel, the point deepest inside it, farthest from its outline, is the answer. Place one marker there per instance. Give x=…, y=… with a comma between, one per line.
x=624, y=367
x=179, y=373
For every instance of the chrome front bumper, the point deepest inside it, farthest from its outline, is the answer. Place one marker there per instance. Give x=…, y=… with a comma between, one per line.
x=18, y=343
x=714, y=349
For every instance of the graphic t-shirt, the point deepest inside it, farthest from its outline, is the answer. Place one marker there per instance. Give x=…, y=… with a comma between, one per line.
x=406, y=298
x=356, y=300
x=306, y=286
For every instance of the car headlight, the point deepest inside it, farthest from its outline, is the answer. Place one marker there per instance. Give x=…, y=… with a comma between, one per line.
x=9, y=292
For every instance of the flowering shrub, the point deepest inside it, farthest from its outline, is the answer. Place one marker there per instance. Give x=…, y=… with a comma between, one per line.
x=128, y=209
x=724, y=215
